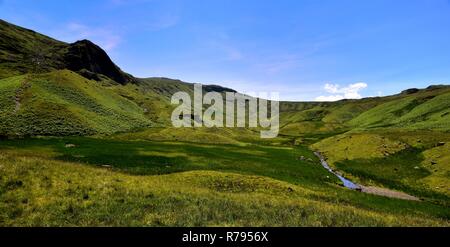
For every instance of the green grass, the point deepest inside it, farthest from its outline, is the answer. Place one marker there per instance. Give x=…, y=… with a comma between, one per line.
x=401, y=171
x=139, y=171
x=422, y=111
x=428, y=109
x=64, y=103
x=19, y=47
x=45, y=183
x=155, y=158
x=409, y=161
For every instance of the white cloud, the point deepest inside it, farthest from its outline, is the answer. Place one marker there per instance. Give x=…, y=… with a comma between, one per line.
x=351, y=91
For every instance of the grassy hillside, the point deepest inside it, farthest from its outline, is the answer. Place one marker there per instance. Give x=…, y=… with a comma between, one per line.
x=53, y=95
x=411, y=161
x=64, y=103
x=25, y=51
x=423, y=109
x=428, y=109
x=22, y=49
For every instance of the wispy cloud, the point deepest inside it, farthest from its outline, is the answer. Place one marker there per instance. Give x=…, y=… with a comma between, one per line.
x=223, y=43
x=337, y=92
x=105, y=37
x=150, y=15
x=280, y=63
x=163, y=21
x=128, y=2
x=231, y=53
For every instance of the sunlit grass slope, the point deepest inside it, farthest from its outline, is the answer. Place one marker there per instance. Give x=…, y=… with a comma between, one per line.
x=422, y=111
x=64, y=103
x=411, y=161
x=426, y=109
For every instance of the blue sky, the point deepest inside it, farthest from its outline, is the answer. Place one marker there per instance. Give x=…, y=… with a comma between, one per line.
x=303, y=49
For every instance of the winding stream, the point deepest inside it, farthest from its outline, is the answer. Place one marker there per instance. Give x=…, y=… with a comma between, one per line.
x=366, y=189
x=347, y=183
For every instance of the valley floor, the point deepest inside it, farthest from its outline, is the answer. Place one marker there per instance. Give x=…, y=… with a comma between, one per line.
x=104, y=182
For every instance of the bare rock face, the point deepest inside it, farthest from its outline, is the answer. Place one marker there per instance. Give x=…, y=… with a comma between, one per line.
x=86, y=56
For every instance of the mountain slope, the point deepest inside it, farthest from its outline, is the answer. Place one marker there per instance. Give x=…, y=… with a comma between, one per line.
x=27, y=54
x=25, y=51
x=22, y=49
x=426, y=109
x=64, y=103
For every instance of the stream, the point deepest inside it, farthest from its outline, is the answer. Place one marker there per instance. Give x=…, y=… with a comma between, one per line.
x=347, y=183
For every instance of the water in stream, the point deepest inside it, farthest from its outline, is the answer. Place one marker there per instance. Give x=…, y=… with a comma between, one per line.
x=347, y=183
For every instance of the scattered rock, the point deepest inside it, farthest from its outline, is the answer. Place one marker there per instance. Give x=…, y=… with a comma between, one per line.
x=107, y=166
x=302, y=158
x=70, y=145
x=416, y=167
x=440, y=144
x=290, y=189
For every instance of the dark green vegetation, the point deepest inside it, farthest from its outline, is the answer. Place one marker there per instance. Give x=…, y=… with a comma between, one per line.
x=134, y=169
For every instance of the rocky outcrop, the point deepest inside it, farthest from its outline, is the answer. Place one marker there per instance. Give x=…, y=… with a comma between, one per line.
x=84, y=57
